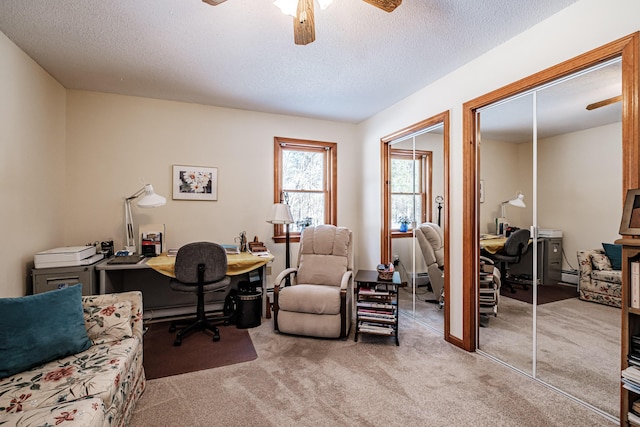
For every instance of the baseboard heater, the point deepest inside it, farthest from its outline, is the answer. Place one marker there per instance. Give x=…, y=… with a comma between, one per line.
x=570, y=276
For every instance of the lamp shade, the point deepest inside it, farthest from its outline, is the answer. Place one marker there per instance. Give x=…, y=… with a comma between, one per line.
x=518, y=201
x=150, y=199
x=281, y=214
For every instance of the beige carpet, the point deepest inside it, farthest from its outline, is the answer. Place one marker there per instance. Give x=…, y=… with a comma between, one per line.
x=578, y=346
x=299, y=381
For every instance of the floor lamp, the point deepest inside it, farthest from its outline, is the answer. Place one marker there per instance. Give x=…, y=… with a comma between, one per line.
x=282, y=215
x=149, y=199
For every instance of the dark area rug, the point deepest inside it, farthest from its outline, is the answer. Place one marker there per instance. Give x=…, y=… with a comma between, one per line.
x=546, y=293
x=197, y=352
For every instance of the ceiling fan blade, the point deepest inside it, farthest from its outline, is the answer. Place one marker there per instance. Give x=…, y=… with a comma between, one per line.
x=386, y=5
x=214, y=2
x=604, y=102
x=304, y=28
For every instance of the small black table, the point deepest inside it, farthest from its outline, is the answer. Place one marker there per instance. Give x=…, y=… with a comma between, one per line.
x=376, y=304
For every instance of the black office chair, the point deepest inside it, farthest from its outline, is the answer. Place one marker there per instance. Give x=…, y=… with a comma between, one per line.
x=514, y=248
x=200, y=267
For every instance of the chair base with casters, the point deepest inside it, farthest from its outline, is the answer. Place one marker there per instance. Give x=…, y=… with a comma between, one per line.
x=200, y=268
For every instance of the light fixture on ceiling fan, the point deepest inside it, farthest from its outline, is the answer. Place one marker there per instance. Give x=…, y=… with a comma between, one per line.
x=304, y=29
x=604, y=102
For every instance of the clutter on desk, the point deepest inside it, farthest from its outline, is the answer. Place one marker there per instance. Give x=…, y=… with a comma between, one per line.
x=242, y=241
x=258, y=248
x=231, y=249
x=172, y=252
x=152, y=239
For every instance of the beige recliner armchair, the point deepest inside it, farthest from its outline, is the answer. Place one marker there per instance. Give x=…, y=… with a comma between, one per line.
x=431, y=243
x=318, y=302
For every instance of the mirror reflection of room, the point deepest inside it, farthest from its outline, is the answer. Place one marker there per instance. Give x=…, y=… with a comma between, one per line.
x=417, y=188
x=568, y=178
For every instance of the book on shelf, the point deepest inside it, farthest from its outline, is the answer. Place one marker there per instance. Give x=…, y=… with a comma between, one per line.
x=635, y=284
x=369, y=291
x=633, y=419
x=373, y=304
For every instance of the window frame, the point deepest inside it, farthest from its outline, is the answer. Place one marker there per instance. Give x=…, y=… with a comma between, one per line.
x=426, y=183
x=330, y=179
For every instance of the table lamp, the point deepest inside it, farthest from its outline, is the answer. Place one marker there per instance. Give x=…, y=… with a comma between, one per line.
x=282, y=215
x=517, y=201
x=149, y=199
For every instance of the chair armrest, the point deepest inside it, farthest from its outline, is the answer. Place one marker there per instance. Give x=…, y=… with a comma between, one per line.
x=284, y=273
x=346, y=278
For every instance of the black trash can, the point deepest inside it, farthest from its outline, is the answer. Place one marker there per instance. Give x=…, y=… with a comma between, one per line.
x=249, y=310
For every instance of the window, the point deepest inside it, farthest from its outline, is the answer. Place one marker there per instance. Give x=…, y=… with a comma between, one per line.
x=305, y=177
x=407, y=186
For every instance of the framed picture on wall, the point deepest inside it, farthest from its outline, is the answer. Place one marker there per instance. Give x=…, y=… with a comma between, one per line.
x=195, y=183
x=630, y=223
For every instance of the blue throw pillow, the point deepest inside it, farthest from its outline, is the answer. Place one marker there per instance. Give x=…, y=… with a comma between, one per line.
x=36, y=329
x=614, y=253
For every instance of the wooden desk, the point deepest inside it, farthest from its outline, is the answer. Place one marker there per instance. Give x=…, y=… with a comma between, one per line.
x=152, y=277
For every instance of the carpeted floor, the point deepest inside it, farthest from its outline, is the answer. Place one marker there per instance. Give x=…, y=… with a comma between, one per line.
x=197, y=352
x=298, y=381
x=546, y=293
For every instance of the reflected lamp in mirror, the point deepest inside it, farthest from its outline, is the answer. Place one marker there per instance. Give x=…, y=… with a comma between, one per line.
x=517, y=201
x=148, y=199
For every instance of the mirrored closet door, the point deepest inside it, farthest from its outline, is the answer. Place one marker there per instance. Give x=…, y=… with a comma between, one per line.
x=414, y=196
x=551, y=165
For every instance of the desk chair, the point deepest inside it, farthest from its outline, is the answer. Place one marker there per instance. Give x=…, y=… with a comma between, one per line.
x=516, y=245
x=200, y=267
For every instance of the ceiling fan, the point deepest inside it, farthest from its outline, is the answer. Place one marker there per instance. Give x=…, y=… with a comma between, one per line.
x=304, y=30
x=604, y=102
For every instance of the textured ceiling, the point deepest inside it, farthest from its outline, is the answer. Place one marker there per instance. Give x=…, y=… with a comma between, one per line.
x=241, y=54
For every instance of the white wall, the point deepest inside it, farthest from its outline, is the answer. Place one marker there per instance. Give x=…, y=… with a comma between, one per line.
x=580, y=190
x=32, y=165
x=114, y=141
x=563, y=36
x=577, y=176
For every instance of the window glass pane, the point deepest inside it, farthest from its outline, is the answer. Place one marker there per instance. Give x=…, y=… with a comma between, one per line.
x=402, y=206
x=402, y=177
x=302, y=170
x=307, y=209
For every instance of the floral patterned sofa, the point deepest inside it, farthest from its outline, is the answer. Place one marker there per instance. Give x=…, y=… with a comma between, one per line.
x=598, y=281
x=97, y=387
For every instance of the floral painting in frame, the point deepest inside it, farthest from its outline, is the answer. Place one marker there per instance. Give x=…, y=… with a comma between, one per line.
x=195, y=183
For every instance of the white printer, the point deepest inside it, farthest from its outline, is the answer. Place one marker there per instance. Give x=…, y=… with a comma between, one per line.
x=67, y=257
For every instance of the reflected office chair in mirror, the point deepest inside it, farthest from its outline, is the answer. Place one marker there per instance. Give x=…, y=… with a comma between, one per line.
x=514, y=248
x=200, y=268
x=431, y=243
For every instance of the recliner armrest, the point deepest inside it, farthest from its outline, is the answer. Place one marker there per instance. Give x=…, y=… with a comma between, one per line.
x=346, y=278
x=284, y=273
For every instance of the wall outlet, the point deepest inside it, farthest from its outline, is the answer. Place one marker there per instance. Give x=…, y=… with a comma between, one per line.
x=268, y=270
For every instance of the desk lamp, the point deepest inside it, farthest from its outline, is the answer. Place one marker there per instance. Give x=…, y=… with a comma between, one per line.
x=501, y=223
x=149, y=200
x=517, y=201
x=282, y=215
